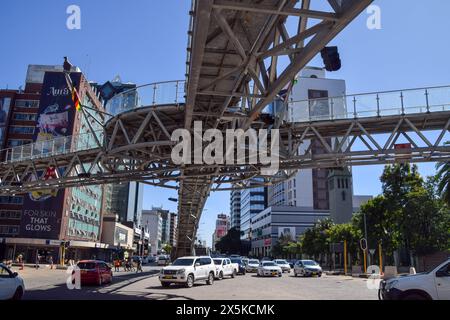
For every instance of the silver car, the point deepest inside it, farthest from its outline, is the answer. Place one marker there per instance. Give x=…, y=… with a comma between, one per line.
x=283, y=264
x=252, y=265
x=307, y=268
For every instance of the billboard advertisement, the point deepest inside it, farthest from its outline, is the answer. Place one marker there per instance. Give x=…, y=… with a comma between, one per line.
x=5, y=105
x=286, y=232
x=42, y=213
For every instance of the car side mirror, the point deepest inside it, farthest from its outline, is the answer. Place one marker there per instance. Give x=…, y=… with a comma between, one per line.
x=442, y=274
x=15, y=275
x=197, y=264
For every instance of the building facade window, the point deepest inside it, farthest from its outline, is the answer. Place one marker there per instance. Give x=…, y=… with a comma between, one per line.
x=25, y=116
x=27, y=103
x=9, y=230
x=21, y=130
x=10, y=214
x=11, y=200
x=18, y=142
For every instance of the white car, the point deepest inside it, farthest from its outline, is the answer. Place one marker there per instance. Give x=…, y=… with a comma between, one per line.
x=307, y=268
x=252, y=265
x=225, y=268
x=431, y=285
x=11, y=285
x=163, y=260
x=269, y=268
x=187, y=270
x=283, y=264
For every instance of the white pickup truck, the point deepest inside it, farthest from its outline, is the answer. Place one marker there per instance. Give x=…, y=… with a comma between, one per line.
x=224, y=267
x=431, y=285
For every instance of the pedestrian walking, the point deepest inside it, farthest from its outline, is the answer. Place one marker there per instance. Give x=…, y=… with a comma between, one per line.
x=116, y=265
x=50, y=261
x=37, y=262
x=139, y=265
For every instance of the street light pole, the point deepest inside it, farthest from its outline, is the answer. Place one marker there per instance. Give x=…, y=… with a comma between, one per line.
x=365, y=235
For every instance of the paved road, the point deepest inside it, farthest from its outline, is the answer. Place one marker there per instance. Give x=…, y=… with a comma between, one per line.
x=50, y=284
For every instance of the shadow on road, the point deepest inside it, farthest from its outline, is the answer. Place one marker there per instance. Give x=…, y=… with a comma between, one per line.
x=107, y=292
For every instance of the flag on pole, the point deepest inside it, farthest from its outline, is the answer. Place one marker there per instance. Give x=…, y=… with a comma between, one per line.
x=76, y=99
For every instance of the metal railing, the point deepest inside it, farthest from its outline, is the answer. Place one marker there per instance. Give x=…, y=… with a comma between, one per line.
x=379, y=104
x=159, y=93
x=52, y=147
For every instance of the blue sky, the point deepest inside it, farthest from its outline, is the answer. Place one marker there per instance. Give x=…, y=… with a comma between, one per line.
x=145, y=41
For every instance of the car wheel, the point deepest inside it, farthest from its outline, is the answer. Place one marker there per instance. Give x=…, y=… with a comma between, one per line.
x=414, y=296
x=210, y=280
x=220, y=275
x=244, y=272
x=319, y=275
x=233, y=274
x=165, y=284
x=190, y=281
x=280, y=274
x=295, y=274
x=18, y=294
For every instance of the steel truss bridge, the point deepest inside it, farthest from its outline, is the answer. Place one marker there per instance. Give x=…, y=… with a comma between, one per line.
x=234, y=71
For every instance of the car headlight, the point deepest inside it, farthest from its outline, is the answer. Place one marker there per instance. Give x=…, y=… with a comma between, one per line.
x=391, y=284
x=181, y=271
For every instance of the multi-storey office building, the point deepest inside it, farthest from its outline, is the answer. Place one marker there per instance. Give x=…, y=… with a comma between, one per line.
x=235, y=209
x=173, y=229
x=272, y=223
x=253, y=201
x=43, y=223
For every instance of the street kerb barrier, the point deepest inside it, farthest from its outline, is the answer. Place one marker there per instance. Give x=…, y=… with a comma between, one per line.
x=390, y=272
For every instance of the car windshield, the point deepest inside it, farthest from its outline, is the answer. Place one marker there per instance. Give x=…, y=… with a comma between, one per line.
x=280, y=262
x=309, y=263
x=236, y=261
x=217, y=262
x=253, y=262
x=86, y=265
x=269, y=264
x=183, y=262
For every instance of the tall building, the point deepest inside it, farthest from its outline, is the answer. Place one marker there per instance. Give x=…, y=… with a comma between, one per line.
x=173, y=229
x=235, y=209
x=124, y=200
x=253, y=201
x=44, y=222
x=152, y=219
x=316, y=189
x=221, y=230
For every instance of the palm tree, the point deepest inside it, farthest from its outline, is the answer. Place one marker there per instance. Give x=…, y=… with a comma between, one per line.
x=443, y=176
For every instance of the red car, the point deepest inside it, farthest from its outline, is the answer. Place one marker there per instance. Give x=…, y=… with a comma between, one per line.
x=95, y=272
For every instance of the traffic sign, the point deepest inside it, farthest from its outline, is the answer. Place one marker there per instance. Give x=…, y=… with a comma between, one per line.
x=372, y=251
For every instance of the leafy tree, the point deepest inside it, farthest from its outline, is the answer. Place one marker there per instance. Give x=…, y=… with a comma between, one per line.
x=278, y=249
x=381, y=224
x=316, y=240
x=167, y=248
x=349, y=232
x=230, y=243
